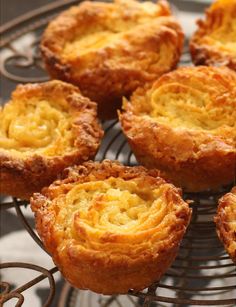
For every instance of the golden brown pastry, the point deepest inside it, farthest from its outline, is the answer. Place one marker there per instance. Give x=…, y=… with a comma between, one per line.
x=226, y=222
x=214, y=42
x=185, y=125
x=109, y=227
x=109, y=49
x=43, y=129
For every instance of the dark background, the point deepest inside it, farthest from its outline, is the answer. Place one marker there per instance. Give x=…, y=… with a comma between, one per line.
x=13, y=8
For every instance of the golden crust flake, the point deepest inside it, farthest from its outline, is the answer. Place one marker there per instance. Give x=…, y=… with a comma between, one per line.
x=110, y=228
x=226, y=222
x=214, y=42
x=109, y=49
x=43, y=129
x=185, y=125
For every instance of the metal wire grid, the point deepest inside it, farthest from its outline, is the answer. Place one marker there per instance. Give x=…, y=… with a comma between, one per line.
x=202, y=274
x=202, y=269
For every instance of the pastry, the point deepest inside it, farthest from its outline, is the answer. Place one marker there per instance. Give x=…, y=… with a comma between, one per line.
x=185, y=125
x=43, y=129
x=226, y=222
x=109, y=49
x=214, y=42
x=109, y=227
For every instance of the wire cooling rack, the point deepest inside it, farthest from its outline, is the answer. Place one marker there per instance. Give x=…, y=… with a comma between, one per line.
x=202, y=273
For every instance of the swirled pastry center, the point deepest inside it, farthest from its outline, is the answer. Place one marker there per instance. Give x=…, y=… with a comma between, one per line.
x=90, y=42
x=37, y=126
x=109, y=25
x=227, y=35
x=196, y=107
x=99, y=209
x=224, y=36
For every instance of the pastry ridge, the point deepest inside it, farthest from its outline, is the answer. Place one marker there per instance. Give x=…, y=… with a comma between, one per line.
x=109, y=49
x=125, y=236
x=214, y=42
x=226, y=222
x=43, y=129
x=176, y=125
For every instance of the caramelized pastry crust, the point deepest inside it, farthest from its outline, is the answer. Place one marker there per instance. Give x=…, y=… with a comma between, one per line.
x=110, y=228
x=214, y=43
x=226, y=222
x=109, y=49
x=43, y=129
x=185, y=125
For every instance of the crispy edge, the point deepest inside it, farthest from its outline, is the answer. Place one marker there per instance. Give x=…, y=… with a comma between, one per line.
x=177, y=153
x=208, y=55
x=105, y=85
x=191, y=170
x=225, y=234
x=20, y=177
x=85, y=270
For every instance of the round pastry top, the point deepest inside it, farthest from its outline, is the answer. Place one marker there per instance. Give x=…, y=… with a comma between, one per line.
x=110, y=49
x=97, y=24
x=226, y=222
x=44, y=119
x=222, y=31
x=101, y=203
x=214, y=42
x=110, y=31
x=191, y=98
x=109, y=22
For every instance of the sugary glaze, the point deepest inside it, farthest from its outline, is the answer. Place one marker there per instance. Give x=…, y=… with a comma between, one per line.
x=109, y=49
x=187, y=116
x=215, y=40
x=44, y=128
x=226, y=222
x=105, y=222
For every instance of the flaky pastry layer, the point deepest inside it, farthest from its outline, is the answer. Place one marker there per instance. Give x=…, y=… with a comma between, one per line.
x=43, y=129
x=109, y=49
x=185, y=125
x=214, y=42
x=110, y=228
x=226, y=222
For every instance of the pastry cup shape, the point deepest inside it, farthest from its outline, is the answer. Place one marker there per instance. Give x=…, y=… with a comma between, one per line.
x=214, y=42
x=43, y=129
x=109, y=49
x=185, y=125
x=226, y=222
x=109, y=227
